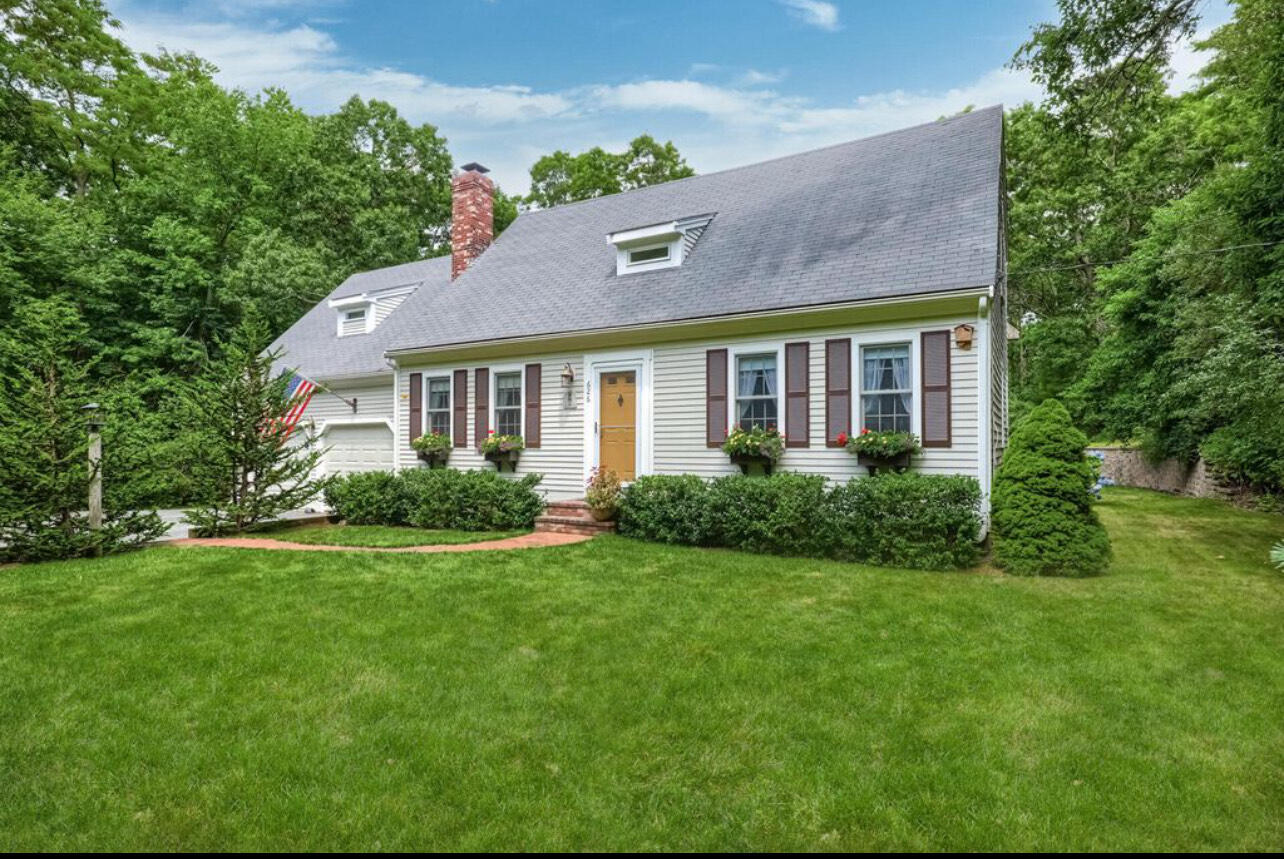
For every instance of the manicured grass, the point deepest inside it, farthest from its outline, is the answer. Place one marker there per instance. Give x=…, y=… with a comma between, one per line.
x=620, y=695
x=376, y=536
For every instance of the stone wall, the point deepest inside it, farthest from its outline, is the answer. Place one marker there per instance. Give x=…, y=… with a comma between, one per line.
x=1129, y=467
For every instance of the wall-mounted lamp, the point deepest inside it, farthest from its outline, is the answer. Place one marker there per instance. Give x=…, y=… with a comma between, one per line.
x=963, y=335
x=568, y=376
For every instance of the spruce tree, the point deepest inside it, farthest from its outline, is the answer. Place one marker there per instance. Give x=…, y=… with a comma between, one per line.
x=44, y=387
x=1044, y=524
x=250, y=467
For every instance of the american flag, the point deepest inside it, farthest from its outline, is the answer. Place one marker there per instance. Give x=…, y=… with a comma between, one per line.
x=298, y=392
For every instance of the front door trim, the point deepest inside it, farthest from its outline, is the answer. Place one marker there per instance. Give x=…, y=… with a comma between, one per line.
x=640, y=361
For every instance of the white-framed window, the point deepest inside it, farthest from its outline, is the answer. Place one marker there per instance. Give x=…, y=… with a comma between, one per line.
x=354, y=320
x=886, y=388
x=437, y=402
x=507, y=401
x=756, y=381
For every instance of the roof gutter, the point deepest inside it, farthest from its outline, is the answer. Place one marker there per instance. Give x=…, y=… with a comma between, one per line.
x=981, y=289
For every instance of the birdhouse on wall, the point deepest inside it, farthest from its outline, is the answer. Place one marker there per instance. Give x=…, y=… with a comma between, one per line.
x=963, y=335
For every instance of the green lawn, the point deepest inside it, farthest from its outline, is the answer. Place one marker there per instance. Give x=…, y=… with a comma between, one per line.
x=376, y=536
x=617, y=695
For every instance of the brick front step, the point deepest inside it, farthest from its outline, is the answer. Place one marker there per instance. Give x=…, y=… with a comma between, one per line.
x=573, y=509
x=571, y=525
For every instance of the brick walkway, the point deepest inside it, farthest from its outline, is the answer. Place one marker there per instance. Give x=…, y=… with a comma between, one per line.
x=534, y=540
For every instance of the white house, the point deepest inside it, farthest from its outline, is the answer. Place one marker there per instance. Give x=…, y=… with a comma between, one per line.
x=860, y=285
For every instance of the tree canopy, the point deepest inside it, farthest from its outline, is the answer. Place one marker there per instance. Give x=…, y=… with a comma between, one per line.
x=1147, y=233
x=564, y=178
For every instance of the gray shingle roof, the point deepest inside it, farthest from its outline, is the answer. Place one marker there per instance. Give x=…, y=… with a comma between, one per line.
x=908, y=212
x=313, y=345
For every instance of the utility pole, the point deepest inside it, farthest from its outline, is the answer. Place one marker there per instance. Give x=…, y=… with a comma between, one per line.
x=95, y=421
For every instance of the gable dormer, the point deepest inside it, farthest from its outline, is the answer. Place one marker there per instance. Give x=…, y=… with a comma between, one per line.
x=656, y=246
x=362, y=313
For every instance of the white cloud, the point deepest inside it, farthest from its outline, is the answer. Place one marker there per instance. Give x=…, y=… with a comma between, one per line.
x=814, y=13
x=754, y=77
x=731, y=118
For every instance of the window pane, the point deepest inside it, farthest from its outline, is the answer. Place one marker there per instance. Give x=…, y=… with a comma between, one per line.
x=886, y=368
x=886, y=412
x=439, y=422
x=508, y=421
x=439, y=393
x=354, y=315
x=757, y=374
x=508, y=390
x=649, y=254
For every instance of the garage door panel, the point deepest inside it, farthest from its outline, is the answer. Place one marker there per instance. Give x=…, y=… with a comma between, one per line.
x=352, y=449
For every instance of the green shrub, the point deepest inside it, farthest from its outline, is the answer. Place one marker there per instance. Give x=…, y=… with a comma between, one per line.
x=470, y=500
x=665, y=509
x=370, y=498
x=1043, y=520
x=785, y=514
x=906, y=520
x=437, y=498
x=920, y=521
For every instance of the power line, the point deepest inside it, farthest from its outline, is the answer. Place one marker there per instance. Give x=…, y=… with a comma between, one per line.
x=1170, y=255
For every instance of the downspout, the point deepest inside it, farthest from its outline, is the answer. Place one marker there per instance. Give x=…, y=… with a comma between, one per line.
x=396, y=414
x=985, y=451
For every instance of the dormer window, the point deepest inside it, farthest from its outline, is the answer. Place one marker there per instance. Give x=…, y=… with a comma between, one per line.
x=656, y=246
x=355, y=314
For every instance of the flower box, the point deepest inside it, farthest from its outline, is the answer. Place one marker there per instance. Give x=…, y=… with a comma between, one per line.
x=747, y=460
x=754, y=446
x=502, y=458
x=888, y=450
x=885, y=463
x=434, y=458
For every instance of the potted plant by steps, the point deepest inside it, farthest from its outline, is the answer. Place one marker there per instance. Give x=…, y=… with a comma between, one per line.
x=603, y=494
x=433, y=448
x=888, y=451
x=502, y=450
x=754, y=446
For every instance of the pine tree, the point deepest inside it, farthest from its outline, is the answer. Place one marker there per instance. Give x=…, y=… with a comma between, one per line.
x=44, y=445
x=251, y=468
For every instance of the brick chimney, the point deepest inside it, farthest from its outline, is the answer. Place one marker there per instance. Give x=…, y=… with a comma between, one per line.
x=472, y=216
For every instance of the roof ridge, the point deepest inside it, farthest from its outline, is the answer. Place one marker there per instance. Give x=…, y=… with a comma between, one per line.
x=672, y=182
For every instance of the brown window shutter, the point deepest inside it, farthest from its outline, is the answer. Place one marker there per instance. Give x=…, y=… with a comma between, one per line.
x=416, y=405
x=459, y=402
x=532, y=405
x=481, y=408
x=715, y=396
x=838, y=390
x=797, y=394
x=936, y=389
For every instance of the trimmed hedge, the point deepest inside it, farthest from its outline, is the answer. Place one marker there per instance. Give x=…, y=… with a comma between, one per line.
x=904, y=520
x=369, y=498
x=437, y=498
x=1044, y=524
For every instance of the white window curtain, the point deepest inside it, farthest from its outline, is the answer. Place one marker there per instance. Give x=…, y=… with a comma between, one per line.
x=756, y=391
x=886, y=388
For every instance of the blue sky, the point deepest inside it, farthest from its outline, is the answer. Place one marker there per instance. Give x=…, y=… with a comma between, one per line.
x=729, y=82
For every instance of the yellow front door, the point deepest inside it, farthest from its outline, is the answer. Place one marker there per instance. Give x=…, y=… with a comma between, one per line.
x=617, y=423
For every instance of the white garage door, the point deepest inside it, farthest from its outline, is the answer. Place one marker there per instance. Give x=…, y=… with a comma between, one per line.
x=366, y=447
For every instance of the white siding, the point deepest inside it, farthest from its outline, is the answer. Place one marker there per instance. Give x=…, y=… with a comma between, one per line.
x=387, y=301
x=680, y=406
x=327, y=413
x=678, y=387
x=560, y=456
